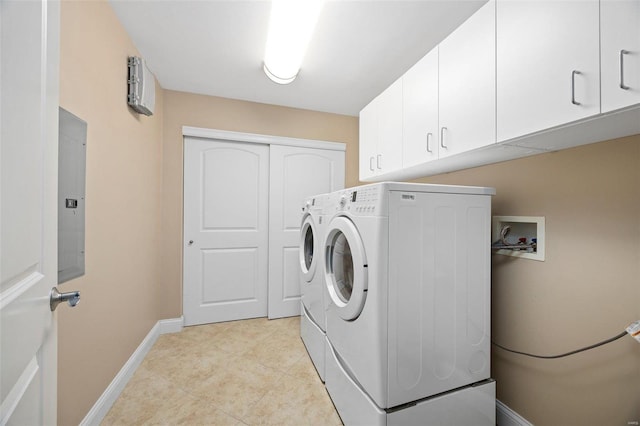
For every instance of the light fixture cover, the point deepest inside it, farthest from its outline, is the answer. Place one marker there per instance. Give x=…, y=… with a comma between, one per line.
x=290, y=27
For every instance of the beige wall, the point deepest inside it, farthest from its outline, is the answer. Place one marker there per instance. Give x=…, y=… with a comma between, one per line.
x=184, y=109
x=586, y=290
x=119, y=291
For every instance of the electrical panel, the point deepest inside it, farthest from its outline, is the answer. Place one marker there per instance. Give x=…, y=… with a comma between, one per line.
x=72, y=148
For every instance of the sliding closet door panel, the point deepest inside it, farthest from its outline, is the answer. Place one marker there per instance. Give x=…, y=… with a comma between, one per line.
x=226, y=197
x=296, y=174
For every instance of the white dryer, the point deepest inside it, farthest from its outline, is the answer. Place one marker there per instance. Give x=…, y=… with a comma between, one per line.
x=407, y=270
x=312, y=319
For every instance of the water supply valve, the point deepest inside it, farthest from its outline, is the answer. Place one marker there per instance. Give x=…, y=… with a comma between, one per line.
x=634, y=330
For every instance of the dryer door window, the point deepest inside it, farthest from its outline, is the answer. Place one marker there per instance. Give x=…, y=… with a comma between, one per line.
x=308, y=252
x=346, y=268
x=342, y=261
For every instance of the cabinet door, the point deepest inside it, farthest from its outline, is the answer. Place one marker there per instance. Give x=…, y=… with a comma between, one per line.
x=620, y=53
x=467, y=84
x=547, y=64
x=389, y=155
x=368, y=144
x=420, y=136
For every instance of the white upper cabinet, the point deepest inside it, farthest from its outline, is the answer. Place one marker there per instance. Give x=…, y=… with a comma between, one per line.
x=381, y=133
x=620, y=53
x=390, y=128
x=368, y=140
x=519, y=77
x=420, y=135
x=467, y=97
x=547, y=64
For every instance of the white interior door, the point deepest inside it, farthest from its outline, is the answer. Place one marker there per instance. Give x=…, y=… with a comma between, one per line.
x=226, y=196
x=296, y=174
x=29, y=111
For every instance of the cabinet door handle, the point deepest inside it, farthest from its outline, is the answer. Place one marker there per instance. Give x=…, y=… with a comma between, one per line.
x=622, y=85
x=371, y=164
x=379, y=161
x=442, y=144
x=573, y=87
x=429, y=137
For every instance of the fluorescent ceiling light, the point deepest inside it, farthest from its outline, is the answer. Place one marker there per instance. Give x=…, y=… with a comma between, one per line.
x=290, y=27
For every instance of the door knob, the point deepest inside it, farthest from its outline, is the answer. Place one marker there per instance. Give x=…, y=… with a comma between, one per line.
x=55, y=298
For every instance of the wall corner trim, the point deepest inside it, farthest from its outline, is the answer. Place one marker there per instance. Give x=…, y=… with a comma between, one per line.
x=117, y=385
x=505, y=416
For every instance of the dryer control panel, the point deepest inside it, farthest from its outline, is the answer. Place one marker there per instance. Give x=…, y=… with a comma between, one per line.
x=313, y=204
x=364, y=200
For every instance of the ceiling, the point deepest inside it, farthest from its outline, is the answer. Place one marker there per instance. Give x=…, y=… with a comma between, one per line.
x=359, y=47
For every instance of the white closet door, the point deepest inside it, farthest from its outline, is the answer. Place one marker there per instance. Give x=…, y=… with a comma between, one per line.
x=226, y=239
x=296, y=174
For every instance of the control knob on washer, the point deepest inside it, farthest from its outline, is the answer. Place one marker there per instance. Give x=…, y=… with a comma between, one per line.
x=343, y=200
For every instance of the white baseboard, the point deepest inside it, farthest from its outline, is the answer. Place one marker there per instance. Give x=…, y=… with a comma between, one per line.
x=112, y=392
x=173, y=325
x=505, y=416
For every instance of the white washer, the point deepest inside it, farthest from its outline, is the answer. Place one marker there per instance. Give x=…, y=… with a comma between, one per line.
x=407, y=269
x=312, y=319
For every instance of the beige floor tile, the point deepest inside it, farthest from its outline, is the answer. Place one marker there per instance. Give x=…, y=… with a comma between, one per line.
x=189, y=410
x=279, y=351
x=252, y=329
x=143, y=396
x=238, y=336
x=304, y=369
x=185, y=361
x=293, y=402
x=256, y=328
x=204, y=332
x=179, y=346
x=234, y=344
x=238, y=387
x=239, y=373
x=289, y=326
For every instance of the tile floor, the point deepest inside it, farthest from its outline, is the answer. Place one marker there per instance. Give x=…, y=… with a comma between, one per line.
x=250, y=372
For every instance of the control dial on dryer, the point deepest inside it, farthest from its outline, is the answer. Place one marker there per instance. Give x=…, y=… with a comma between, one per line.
x=343, y=200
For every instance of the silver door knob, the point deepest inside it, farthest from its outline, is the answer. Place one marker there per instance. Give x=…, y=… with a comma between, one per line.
x=55, y=298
